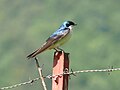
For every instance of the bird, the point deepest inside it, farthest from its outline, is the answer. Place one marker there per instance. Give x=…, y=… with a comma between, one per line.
x=58, y=38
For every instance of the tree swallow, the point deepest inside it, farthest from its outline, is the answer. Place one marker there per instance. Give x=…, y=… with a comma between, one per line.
x=58, y=38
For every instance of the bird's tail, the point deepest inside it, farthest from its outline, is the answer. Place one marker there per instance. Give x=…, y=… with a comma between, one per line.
x=32, y=55
x=38, y=51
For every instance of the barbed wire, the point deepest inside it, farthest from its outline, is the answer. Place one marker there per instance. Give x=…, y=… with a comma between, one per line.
x=65, y=73
x=20, y=84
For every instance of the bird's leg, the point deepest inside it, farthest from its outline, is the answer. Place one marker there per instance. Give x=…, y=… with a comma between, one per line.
x=60, y=49
x=56, y=49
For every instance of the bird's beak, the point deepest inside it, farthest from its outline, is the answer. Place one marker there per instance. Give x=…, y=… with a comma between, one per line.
x=75, y=24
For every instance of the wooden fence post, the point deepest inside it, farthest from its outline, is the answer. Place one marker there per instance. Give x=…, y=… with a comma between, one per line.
x=60, y=65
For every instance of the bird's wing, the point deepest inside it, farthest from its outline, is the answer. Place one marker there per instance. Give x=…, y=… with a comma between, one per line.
x=50, y=41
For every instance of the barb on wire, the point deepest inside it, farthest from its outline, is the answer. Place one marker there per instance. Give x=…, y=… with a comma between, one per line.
x=20, y=84
x=70, y=73
x=84, y=71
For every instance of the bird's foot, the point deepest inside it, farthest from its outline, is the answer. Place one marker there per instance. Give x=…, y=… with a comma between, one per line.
x=58, y=49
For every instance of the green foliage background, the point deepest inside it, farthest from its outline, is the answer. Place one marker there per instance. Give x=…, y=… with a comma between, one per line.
x=95, y=44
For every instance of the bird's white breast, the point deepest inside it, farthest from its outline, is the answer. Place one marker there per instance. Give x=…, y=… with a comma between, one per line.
x=62, y=41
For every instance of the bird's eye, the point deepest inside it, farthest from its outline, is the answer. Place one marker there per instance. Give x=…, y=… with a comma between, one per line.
x=67, y=25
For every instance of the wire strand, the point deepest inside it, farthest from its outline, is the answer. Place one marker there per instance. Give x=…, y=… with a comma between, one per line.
x=65, y=73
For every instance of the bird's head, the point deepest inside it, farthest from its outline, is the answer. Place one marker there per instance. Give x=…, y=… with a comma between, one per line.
x=69, y=24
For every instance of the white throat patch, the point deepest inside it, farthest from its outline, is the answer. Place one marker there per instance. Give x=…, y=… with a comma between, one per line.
x=70, y=27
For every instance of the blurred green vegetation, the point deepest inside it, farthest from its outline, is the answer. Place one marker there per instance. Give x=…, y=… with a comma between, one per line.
x=95, y=44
